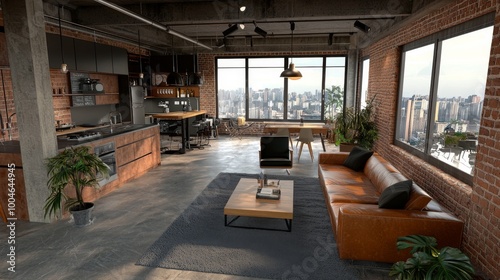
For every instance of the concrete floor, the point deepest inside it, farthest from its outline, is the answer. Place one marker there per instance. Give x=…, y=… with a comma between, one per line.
x=131, y=218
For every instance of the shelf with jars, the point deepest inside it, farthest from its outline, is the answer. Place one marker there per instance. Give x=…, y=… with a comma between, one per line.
x=174, y=92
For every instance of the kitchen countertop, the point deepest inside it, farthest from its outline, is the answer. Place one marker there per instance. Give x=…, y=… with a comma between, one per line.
x=14, y=146
x=179, y=115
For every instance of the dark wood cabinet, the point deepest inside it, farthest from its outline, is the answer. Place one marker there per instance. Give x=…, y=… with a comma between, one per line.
x=85, y=56
x=104, y=58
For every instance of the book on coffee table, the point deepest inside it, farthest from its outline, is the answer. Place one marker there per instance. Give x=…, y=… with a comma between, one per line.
x=268, y=193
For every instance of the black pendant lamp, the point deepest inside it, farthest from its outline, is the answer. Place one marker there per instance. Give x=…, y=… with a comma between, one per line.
x=291, y=73
x=174, y=78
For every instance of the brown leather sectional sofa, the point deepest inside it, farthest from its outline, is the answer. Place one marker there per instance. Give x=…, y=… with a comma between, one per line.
x=363, y=231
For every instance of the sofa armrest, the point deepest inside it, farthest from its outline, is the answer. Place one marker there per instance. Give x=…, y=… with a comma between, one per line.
x=366, y=232
x=336, y=158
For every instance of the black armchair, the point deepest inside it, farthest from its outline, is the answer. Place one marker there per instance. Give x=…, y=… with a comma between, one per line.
x=275, y=152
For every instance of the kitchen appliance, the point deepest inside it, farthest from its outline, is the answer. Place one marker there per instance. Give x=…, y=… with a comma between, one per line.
x=81, y=136
x=137, y=110
x=106, y=153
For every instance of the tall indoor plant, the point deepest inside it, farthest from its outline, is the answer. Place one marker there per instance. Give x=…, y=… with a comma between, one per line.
x=76, y=168
x=356, y=127
x=427, y=262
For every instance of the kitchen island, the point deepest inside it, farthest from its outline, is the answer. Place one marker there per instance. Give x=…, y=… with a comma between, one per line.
x=131, y=151
x=183, y=117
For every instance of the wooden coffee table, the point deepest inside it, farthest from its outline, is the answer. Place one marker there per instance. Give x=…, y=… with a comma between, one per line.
x=244, y=203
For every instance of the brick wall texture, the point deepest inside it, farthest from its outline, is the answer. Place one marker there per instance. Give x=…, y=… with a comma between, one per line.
x=477, y=205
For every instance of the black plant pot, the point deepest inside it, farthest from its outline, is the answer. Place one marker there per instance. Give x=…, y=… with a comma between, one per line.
x=82, y=217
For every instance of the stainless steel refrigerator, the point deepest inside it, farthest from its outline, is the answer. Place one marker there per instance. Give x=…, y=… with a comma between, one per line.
x=137, y=104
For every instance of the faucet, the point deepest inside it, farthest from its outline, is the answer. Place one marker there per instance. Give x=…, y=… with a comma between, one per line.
x=9, y=126
x=113, y=119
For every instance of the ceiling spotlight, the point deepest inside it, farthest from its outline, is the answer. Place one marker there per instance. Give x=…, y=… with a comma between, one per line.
x=259, y=30
x=361, y=26
x=243, y=8
x=230, y=30
x=242, y=26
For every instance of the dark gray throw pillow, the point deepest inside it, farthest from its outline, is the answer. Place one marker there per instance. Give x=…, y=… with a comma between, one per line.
x=357, y=158
x=395, y=196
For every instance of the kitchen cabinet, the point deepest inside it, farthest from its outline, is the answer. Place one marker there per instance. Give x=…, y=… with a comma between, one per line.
x=54, y=51
x=11, y=163
x=104, y=58
x=120, y=61
x=137, y=152
x=85, y=56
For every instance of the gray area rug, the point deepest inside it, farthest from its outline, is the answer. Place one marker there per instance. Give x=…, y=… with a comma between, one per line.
x=198, y=240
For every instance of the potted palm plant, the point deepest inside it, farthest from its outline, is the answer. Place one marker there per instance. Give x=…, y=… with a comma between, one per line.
x=427, y=262
x=74, y=168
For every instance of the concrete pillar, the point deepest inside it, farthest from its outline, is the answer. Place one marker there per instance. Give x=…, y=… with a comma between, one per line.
x=29, y=64
x=352, y=75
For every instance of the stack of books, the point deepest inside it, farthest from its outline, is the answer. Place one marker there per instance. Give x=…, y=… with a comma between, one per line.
x=269, y=192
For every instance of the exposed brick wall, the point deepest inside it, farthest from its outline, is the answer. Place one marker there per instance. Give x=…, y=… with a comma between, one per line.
x=7, y=104
x=477, y=205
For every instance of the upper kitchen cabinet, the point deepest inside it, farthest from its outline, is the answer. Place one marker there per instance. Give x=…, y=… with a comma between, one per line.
x=85, y=55
x=104, y=58
x=55, y=54
x=120, y=61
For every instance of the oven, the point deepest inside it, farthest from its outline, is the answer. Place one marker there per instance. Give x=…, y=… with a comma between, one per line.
x=106, y=153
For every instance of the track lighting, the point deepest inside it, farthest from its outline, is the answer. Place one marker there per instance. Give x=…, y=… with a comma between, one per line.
x=361, y=26
x=230, y=30
x=259, y=30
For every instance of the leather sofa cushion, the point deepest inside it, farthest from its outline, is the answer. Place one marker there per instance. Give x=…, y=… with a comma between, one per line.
x=342, y=184
x=418, y=198
x=395, y=196
x=381, y=173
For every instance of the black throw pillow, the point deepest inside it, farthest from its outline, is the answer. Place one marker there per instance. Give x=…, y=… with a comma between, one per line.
x=357, y=158
x=395, y=196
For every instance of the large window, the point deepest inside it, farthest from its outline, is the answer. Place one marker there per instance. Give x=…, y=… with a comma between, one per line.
x=253, y=88
x=441, y=96
x=365, y=77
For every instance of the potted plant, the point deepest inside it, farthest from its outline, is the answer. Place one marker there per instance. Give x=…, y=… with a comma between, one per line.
x=356, y=127
x=334, y=99
x=74, y=168
x=428, y=262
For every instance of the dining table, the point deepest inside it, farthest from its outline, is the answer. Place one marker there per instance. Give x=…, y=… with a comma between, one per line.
x=320, y=129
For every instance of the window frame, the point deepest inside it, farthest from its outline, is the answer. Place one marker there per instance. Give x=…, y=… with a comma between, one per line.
x=286, y=61
x=484, y=21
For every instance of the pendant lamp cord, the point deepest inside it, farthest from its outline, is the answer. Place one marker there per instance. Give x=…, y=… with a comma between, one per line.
x=139, y=43
x=60, y=32
x=292, y=27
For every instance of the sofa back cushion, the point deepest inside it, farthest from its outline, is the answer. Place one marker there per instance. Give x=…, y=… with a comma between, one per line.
x=418, y=198
x=381, y=173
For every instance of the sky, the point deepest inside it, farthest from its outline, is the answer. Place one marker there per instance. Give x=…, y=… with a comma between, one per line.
x=464, y=66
